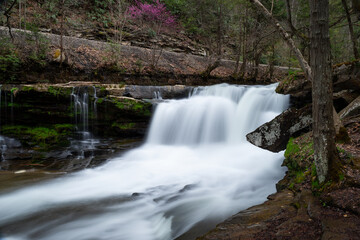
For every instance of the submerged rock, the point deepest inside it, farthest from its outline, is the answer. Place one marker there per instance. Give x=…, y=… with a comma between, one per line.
x=275, y=134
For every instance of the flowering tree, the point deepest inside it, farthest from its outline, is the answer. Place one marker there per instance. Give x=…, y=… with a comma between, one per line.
x=158, y=17
x=153, y=13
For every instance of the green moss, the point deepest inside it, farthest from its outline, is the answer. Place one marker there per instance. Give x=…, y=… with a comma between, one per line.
x=341, y=176
x=43, y=137
x=64, y=128
x=54, y=91
x=27, y=88
x=124, y=126
x=137, y=107
x=57, y=91
x=300, y=177
x=100, y=100
x=313, y=170
x=291, y=148
x=315, y=185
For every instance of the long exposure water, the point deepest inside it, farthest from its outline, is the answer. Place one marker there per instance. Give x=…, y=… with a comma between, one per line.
x=195, y=168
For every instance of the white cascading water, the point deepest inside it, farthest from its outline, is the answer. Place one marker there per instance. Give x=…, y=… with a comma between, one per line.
x=80, y=103
x=195, y=170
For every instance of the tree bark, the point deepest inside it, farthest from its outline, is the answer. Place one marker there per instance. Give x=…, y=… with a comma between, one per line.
x=351, y=29
x=323, y=123
x=303, y=63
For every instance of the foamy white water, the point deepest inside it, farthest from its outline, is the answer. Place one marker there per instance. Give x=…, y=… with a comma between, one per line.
x=195, y=167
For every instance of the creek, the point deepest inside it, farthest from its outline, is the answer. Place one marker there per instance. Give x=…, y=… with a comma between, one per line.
x=194, y=170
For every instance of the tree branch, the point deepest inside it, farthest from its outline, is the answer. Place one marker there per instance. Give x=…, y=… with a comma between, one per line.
x=7, y=15
x=303, y=63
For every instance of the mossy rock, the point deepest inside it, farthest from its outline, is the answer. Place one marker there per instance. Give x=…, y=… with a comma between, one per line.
x=41, y=137
x=134, y=106
x=299, y=153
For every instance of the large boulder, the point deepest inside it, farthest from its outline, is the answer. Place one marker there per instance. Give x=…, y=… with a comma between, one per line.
x=275, y=134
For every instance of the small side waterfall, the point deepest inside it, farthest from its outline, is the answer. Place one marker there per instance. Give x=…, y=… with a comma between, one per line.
x=194, y=171
x=157, y=95
x=80, y=102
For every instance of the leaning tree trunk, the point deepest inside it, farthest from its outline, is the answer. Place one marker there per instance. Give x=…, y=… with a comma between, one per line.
x=323, y=123
x=287, y=38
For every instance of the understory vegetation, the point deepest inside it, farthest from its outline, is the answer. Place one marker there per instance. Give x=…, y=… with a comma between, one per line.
x=231, y=29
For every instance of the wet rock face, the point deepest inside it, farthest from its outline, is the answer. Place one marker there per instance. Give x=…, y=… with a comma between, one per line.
x=149, y=92
x=275, y=134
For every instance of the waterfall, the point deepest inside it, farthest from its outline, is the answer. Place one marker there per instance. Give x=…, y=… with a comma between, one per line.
x=157, y=95
x=80, y=103
x=80, y=100
x=194, y=171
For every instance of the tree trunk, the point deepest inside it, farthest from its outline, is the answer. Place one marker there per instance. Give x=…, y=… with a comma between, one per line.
x=323, y=123
x=243, y=68
x=62, y=12
x=303, y=63
x=220, y=30
x=272, y=62
x=351, y=29
x=289, y=16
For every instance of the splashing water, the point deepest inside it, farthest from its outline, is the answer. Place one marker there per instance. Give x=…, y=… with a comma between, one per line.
x=195, y=168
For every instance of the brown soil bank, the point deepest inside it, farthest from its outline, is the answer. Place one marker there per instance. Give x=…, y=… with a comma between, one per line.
x=87, y=60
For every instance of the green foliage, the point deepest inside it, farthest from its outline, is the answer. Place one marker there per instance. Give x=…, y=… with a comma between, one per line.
x=10, y=62
x=14, y=89
x=100, y=11
x=100, y=100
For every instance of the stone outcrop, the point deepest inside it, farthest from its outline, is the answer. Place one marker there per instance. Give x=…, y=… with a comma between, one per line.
x=275, y=134
x=346, y=86
x=90, y=60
